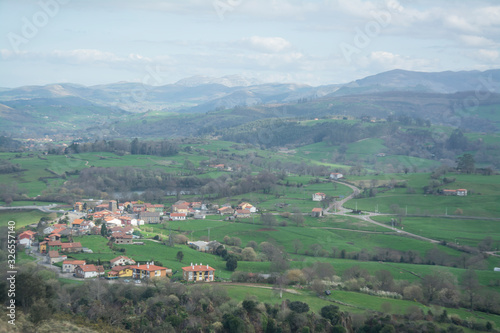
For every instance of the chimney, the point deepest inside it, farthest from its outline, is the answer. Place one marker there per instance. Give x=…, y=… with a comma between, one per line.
x=152, y=262
x=147, y=265
x=207, y=266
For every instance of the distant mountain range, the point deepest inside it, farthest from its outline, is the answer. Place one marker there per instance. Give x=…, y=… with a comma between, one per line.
x=72, y=107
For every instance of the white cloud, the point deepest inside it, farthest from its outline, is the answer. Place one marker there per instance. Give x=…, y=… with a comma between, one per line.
x=487, y=55
x=476, y=41
x=267, y=44
x=383, y=60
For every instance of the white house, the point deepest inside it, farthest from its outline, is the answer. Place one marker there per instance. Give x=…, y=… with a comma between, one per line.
x=318, y=196
x=88, y=271
x=177, y=216
x=336, y=176
x=121, y=261
x=462, y=192
x=70, y=265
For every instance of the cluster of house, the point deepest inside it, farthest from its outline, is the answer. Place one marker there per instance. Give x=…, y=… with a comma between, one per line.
x=462, y=192
x=243, y=210
x=123, y=267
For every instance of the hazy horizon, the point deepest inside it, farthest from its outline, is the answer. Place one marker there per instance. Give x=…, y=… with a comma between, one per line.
x=306, y=42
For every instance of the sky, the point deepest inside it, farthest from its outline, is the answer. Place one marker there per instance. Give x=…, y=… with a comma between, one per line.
x=159, y=42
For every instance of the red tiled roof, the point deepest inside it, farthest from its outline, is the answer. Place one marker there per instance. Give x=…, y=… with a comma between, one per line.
x=242, y=211
x=197, y=268
x=120, y=257
x=317, y=210
x=319, y=193
x=88, y=268
x=178, y=214
x=78, y=221
x=55, y=243
x=148, y=268
x=54, y=254
x=74, y=262
x=119, y=268
x=71, y=245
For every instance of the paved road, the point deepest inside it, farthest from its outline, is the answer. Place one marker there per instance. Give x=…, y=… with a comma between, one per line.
x=343, y=211
x=45, y=209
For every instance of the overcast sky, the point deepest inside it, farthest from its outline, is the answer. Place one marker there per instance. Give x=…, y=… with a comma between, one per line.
x=313, y=42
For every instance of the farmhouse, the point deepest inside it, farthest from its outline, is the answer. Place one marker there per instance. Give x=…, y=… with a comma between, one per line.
x=460, y=192
x=225, y=211
x=121, y=261
x=88, y=271
x=26, y=238
x=336, y=176
x=150, y=217
x=121, y=238
x=246, y=205
x=54, y=257
x=317, y=212
x=71, y=247
x=181, y=208
x=76, y=223
x=318, y=196
x=177, y=216
x=149, y=271
x=70, y=265
x=198, y=273
x=242, y=213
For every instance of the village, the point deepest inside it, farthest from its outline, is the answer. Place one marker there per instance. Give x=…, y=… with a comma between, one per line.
x=121, y=223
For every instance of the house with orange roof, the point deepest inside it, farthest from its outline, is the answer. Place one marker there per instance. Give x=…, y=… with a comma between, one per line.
x=462, y=192
x=178, y=216
x=55, y=256
x=318, y=196
x=54, y=237
x=54, y=246
x=71, y=247
x=88, y=271
x=242, y=213
x=78, y=206
x=336, y=175
x=26, y=238
x=182, y=208
x=150, y=271
x=246, y=205
x=76, y=223
x=70, y=265
x=226, y=210
x=120, y=271
x=42, y=247
x=198, y=273
x=317, y=212
x=121, y=261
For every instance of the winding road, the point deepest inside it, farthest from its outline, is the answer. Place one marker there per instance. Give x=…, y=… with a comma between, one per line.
x=340, y=210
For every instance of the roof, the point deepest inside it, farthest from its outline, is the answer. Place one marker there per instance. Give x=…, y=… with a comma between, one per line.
x=178, y=214
x=71, y=245
x=28, y=232
x=149, y=268
x=462, y=189
x=121, y=257
x=77, y=221
x=74, y=262
x=242, y=211
x=88, y=268
x=450, y=190
x=225, y=208
x=319, y=193
x=55, y=243
x=54, y=254
x=197, y=268
x=119, y=268
x=317, y=209
x=199, y=243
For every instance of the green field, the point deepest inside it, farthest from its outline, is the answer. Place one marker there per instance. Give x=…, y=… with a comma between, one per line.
x=23, y=218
